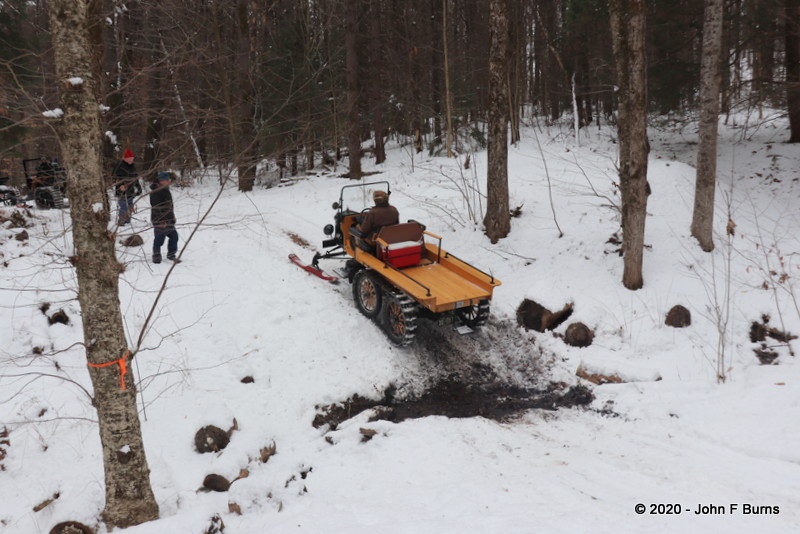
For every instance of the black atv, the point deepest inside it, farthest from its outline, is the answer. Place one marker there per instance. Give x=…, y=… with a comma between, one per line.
x=9, y=195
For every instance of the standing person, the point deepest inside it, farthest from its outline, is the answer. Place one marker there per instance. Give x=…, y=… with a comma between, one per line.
x=126, y=186
x=162, y=215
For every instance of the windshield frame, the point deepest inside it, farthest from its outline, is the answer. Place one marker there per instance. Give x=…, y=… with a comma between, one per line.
x=358, y=197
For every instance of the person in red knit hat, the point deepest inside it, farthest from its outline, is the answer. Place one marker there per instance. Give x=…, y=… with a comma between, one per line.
x=126, y=186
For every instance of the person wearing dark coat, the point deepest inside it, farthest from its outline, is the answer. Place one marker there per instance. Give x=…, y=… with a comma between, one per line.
x=162, y=215
x=126, y=186
x=45, y=175
x=382, y=214
x=45, y=172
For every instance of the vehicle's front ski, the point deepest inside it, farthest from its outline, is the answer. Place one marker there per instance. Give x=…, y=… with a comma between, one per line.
x=313, y=270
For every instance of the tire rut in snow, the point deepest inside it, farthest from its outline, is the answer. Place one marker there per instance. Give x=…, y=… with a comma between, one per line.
x=496, y=374
x=499, y=354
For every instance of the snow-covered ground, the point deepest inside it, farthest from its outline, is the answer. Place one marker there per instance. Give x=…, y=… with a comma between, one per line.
x=236, y=307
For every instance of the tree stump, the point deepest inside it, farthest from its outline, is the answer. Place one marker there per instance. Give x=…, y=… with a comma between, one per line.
x=578, y=335
x=71, y=527
x=765, y=356
x=678, y=317
x=215, y=482
x=533, y=316
x=60, y=317
x=217, y=526
x=211, y=439
x=134, y=240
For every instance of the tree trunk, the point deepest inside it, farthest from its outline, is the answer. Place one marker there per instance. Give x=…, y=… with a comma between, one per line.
x=129, y=497
x=117, y=64
x=436, y=69
x=377, y=67
x=156, y=119
x=498, y=218
x=710, y=82
x=247, y=155
x=793, y=67
x=353, y=89
x=627, y=19
x=447, y=92
x=516, y=71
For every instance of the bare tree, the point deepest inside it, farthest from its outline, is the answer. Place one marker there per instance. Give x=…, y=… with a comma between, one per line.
x=498, y=218
x=448, y=97
x=378, y=85
x=627, y=18
x=353, y=88
x=129, y=497
x=710, y=82
x=793, y=67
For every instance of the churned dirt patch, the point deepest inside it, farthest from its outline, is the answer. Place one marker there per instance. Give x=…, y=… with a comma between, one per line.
x=454, y=398
x=298, y=240
x=496, y=373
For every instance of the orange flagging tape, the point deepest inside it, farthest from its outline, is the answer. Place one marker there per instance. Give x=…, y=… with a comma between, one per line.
x=123, y=367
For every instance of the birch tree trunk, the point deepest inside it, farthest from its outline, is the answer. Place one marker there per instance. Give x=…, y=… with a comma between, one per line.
x=498, y=218
x=129, y=497
x=710, y=81
x=627, y=19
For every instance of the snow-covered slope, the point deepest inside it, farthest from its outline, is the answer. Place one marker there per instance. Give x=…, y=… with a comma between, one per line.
x=236, y=308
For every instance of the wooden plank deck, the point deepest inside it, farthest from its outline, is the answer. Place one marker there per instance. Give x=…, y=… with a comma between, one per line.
x=440, y=283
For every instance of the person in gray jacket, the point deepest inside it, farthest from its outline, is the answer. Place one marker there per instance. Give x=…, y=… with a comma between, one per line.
x=162, y=215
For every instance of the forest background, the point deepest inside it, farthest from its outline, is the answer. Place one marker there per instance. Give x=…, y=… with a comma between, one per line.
x=187, y=84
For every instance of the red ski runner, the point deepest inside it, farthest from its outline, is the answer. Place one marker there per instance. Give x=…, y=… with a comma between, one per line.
x=313, y=270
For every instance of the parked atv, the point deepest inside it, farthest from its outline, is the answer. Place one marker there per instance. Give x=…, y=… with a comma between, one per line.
x=9, y=195
x=407, y=275
x=46, y=182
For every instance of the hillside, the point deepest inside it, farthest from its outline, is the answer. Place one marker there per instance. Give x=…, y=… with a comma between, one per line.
x=243, y=335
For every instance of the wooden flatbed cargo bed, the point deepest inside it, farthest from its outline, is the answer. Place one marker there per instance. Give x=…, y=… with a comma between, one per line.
x=440, y=282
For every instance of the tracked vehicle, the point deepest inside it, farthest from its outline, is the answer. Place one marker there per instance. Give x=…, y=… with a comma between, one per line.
x=47, y=188
x=407, y=275
x=9, y=195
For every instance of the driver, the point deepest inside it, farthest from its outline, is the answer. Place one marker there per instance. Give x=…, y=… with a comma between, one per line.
x=382, y=214
x=45, y=173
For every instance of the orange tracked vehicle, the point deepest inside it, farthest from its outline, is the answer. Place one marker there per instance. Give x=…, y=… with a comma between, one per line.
x=407, y=274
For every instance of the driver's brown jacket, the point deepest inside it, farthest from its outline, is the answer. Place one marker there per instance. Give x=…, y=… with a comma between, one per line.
x=378, y=217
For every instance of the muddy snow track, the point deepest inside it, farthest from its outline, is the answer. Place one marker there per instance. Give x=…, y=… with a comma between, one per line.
x=495, y=373
x=499, y=353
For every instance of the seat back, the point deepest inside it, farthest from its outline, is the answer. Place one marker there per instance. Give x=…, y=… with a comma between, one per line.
x=400, y=245
x=397, y=233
